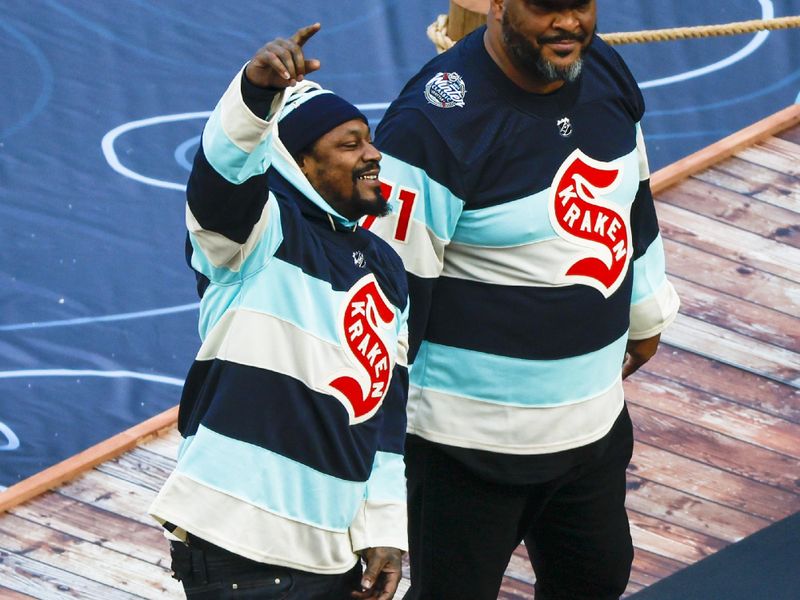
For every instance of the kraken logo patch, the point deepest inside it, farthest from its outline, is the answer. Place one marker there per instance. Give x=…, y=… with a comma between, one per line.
x=582, y=214
x=365, y=315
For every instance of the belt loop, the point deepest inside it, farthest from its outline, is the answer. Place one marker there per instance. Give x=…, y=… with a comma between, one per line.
x=199, y=571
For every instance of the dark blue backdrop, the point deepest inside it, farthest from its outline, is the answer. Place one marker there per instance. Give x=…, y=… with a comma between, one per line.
x=99, y=118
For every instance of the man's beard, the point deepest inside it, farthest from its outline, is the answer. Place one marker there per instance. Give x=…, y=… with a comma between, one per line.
x=377, y=206
x=528, y=58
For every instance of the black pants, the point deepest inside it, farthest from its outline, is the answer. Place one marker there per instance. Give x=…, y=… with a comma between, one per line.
x=463, y=529
x=208, y=572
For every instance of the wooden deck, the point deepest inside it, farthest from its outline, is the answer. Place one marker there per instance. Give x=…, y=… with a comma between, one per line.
x=717, y=411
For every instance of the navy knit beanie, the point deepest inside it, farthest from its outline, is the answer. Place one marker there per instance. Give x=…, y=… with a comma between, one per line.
x=305, y=121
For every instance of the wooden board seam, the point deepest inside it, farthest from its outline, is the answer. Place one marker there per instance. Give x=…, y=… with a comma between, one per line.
x=83, y=461
x=725, y=148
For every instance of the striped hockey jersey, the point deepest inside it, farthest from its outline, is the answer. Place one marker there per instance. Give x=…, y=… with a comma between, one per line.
x=530, y=237
x=293, y=412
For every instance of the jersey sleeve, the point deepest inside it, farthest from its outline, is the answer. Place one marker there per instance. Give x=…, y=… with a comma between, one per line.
x=231, y=225
x=382, y=520
x=423, y=184
x=654, y=301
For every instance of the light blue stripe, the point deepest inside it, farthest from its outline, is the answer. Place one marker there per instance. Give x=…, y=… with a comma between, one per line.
x=388, y=479
x=515, y=381
x=648, y=272
x=230, y=161
x=270, y=481
x=286, y=292
x=441, y=209
x=514, y=223
x=216, y=300
x=527, y=220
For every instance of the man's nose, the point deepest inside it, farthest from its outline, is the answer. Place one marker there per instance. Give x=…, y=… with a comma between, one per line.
x=371, y=153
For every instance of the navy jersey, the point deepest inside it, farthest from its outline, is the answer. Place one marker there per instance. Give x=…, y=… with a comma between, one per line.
x=530, y=237
x=293, y=412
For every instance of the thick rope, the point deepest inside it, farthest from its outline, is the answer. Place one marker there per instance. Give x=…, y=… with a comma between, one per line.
x=437, y=31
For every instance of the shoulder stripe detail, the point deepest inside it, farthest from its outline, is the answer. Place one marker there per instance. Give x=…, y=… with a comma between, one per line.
x=224, y=252
x=437, y=208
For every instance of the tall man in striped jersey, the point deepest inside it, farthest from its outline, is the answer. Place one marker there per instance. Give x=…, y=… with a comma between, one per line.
x=526, y=224
x=293, y=412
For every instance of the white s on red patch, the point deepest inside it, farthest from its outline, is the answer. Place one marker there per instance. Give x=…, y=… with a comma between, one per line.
x=364, y=322
x=582, y=214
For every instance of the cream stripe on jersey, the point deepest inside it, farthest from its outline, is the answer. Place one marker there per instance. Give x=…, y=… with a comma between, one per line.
x=249, y=531
x=655, y=313
x=469, y=423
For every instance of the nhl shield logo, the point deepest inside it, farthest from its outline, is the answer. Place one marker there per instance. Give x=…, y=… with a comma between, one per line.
x=446, y=90
x=564, y=127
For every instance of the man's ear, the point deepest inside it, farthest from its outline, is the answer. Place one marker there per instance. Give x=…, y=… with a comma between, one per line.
x=496, y=8
x=300, y=159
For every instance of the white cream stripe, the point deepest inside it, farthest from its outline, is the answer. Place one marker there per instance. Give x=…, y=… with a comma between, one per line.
x=421, y=258
x=644, y=166
x=469, y=423
x=249, y=531
x=243, y=128
x=654, y=314
x=240, y=336
x=221, y=250
x=537, y=264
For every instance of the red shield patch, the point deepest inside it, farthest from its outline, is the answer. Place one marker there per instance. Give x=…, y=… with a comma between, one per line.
x=365, y=313
x=580, y=214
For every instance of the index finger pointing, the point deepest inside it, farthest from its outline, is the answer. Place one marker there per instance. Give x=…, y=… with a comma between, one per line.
x=302, y=35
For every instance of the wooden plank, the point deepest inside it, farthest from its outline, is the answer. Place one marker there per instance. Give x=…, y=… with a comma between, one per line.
x=97, y=526
x=698, y=407
x=736, y=209
x=707, y=482
x=774, y=153
x=69, y=468
x=734, y=349
x=631, y=589
x=680, y=170
x=651, y=567
x=723, y=381
x=765, y=185
x=730, y=312
x=9, y=594
x=115, y=495
x=44, y=582
x=141, y=467
x=791, y=135
x=690, y=512
x=671, y=541
x=730, y=242
x=715, y=449
x=82, y=558
x=511, y=589
x=166, y=444
x=732, y=277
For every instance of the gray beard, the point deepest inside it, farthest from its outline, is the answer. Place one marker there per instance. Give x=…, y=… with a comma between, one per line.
x=550, y=72
x=527, y=58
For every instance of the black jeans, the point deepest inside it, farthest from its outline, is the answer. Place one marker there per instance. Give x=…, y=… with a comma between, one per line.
x=208, y=572
x=463, y=528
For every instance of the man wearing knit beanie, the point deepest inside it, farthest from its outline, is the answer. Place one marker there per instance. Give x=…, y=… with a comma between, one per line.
x=293, y=412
